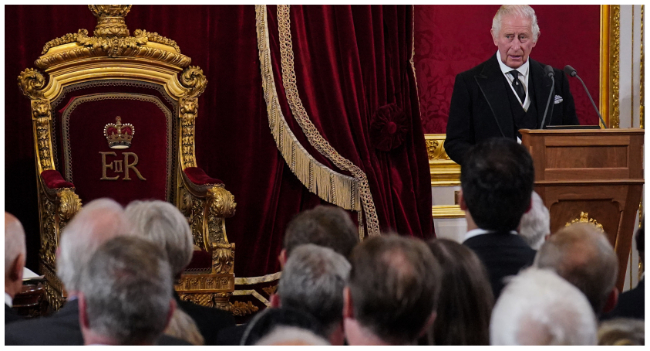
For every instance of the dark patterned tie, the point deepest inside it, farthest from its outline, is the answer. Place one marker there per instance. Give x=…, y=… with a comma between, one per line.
x=516, y=84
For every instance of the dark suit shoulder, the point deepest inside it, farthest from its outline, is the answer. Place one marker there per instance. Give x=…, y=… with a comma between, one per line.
x=61, y=328
x=11, y=315
x=478, y=69
x=209, y=320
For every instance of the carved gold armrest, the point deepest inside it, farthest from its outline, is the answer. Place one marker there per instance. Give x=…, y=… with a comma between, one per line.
x=206, y=208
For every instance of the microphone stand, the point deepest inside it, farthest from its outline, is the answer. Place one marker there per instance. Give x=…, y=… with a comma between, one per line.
x=592, y=101
x=552, y=76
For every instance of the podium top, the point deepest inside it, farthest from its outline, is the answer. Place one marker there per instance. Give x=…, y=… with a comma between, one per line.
x=584, y=131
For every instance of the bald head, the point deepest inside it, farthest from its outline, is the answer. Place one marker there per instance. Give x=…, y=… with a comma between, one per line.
x=14, y=240
x=15, y=254
x=97, y=222
x=584, y=257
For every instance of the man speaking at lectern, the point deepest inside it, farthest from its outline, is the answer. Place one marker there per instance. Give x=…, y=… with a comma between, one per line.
x=509, y=91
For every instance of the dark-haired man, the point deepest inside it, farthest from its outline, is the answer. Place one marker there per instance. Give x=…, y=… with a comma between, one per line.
x=392, y=293
x=497, y=182
x=326, y=226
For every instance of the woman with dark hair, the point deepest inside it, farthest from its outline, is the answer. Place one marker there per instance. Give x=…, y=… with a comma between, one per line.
x=466, y=299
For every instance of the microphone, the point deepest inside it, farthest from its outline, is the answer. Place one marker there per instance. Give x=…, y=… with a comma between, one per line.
x=548, y=70
x=570, y=71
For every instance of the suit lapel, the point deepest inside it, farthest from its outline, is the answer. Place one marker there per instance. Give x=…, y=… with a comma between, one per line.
x=542, y=85
x=490, y=81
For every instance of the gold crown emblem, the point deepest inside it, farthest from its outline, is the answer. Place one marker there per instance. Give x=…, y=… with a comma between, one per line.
x=119, y=135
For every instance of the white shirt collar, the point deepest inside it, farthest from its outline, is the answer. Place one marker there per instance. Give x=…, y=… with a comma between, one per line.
x=523, y=69
x=476, y=232
x=8, y=300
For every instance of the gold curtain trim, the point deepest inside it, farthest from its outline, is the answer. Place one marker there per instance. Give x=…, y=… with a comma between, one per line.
x=254, y=294
x=328, y=184
x=342, y=190
x=642, y=75
x=257, y=280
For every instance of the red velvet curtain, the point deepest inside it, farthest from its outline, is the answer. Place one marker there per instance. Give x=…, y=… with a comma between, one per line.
x=452, y=39
x=367, y=46
x=350, y=62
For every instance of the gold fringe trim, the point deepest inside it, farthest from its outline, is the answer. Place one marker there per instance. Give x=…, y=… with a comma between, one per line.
x=342, y=190
x=257, y=280
x=254, y=294
x=336, y=188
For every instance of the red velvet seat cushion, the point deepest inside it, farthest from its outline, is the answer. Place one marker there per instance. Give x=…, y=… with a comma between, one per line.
x=197, y=176
x=200, y=260
x=54, y=180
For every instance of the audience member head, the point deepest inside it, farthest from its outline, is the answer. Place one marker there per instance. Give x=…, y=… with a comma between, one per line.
x=271, y=318
x=497, y=182
x=125, y=293
x=535, y=224
x=326, y=226
x=183, y=327
x=15, y=255
x=622, y=331
x=465, y=301
x=312, y=281
x=392, y=291
x=537, y=307
x=291, y=336
x=96, y=222
x=584, y=257
x=164, y=225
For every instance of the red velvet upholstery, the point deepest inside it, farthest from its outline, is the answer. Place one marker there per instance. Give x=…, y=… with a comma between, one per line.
x=54, y=180
x=200, y=260
x=150, y=144
x=197, y=176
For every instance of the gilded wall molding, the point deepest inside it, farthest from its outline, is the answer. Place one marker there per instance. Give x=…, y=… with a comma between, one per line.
x=447, y=211
x=610, y=33
x=444, y=171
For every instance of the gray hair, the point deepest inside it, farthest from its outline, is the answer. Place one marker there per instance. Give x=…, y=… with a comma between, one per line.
x=584, y=257
x=14, y=241
x=312, y=281
x=283, y=335
x=518, y=10
x=535, y=224
x=127, y=287
x=537, y=307
x=96, y=222
x=164, y=225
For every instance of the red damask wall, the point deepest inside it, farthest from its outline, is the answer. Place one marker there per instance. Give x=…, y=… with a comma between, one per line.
x=453, y=39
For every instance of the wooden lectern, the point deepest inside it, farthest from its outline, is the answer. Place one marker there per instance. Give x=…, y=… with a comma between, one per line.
x=591, y=176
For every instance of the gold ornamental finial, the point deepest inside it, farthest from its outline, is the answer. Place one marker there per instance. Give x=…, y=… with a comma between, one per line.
x=110, y=20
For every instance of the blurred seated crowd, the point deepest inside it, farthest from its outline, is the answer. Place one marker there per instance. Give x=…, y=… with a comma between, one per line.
x=510, y=282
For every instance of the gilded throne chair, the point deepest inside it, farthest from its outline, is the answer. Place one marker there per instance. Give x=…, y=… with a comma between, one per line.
x=97, y=91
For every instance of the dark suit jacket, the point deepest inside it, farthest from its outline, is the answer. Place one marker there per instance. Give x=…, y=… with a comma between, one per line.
x=61, y=328
x=631, y=304
x=480, y=108
x=503, y=254
x=11, y=315
x=209, y=320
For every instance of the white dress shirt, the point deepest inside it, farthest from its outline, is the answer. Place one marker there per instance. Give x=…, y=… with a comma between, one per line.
x=8, y=300
x=476, y=232
x=523, y=79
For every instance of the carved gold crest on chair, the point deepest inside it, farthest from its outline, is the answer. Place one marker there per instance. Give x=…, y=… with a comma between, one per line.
x=584, y=218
